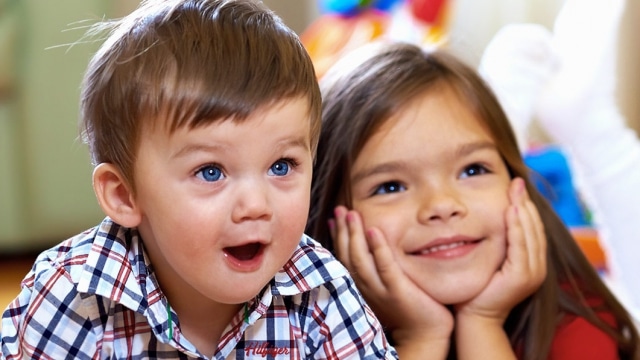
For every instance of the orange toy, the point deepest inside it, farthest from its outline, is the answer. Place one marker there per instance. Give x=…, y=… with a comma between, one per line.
x=333, y=35
x=587, y=239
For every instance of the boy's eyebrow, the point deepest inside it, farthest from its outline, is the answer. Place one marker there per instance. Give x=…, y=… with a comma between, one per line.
x=299, y=141
x=393, y=166
x=193, y=148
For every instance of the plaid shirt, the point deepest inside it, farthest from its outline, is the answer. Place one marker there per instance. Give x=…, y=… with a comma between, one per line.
x=95, y=296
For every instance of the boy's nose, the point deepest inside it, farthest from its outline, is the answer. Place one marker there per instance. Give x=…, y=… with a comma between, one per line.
x=252, y=201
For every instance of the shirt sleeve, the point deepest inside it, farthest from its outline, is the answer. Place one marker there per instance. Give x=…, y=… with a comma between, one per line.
x=345, y=327
x=48, y=320
x=579, y=339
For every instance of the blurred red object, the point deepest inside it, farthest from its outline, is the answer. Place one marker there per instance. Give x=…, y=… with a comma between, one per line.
x=428, y=11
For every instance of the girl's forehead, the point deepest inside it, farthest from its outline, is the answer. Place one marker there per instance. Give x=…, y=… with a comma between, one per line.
x=440, y=107
x=434, y=122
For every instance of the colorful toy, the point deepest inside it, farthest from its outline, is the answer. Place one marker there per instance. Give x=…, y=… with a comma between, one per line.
x=353, y=7
x=347, y=24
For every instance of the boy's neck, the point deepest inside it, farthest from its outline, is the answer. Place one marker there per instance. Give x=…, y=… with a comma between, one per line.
x=203, y=322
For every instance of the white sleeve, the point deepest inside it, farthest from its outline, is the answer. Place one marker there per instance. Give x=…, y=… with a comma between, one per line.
x=516, y=64
x=578, y=110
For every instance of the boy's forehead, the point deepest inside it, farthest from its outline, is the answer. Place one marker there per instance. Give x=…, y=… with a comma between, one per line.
x=169, y=119
x=238, y=113
x=283, y=124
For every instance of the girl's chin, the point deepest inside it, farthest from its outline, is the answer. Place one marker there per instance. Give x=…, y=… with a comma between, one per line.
x=456, y=296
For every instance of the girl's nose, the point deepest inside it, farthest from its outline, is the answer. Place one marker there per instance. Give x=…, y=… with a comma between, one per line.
x=441, y=205
x=251, y=201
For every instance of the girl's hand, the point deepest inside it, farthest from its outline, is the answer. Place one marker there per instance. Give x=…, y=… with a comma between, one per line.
x=525, y=266
x=415, y=319
x=479, y=323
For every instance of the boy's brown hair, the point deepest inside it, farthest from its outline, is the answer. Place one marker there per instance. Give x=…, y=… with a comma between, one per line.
x=192, y=62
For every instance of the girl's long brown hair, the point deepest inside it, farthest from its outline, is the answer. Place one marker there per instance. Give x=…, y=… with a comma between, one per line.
x=357, y=101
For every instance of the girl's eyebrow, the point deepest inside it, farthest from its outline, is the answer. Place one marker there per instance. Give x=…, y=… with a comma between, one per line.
x=469, y=148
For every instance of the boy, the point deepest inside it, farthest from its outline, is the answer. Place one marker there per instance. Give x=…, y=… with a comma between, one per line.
x=202, y=119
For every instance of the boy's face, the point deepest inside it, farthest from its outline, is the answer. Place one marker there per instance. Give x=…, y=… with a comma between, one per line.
x=224, y=205
x=432, y=180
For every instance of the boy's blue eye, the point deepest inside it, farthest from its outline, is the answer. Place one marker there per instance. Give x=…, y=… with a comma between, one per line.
x=279, y=168
x=474, y=170
x=210, y=173
x=389, y=187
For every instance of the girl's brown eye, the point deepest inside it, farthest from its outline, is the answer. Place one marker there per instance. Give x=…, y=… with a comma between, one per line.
x=474, y=170
x=389, y=187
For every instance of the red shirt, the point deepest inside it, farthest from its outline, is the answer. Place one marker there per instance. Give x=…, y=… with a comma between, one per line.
x=576, y=338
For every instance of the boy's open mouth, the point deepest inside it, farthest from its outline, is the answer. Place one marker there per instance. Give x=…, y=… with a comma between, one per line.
x=244, y=252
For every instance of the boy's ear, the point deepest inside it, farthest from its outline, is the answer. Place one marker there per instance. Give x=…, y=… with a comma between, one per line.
x=115, y=196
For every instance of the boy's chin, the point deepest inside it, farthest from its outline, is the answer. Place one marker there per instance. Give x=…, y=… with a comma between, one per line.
x=238, y=298
x=239, y=293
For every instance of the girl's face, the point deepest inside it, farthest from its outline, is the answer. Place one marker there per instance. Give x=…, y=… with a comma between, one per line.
x=432, y=180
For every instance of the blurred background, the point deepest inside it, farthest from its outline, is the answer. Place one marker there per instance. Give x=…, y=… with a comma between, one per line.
x=45, y=175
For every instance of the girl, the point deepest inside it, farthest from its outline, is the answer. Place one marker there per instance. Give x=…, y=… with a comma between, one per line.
x=419, y=188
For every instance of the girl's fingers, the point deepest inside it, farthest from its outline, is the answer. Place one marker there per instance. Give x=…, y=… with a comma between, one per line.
x=535, y=232
x=523, y=219
x=352, y=249
x=527, y=230
x=367, y=256
x=340, y=235
x=517, y=247
x=389, y=272
x=360, y=256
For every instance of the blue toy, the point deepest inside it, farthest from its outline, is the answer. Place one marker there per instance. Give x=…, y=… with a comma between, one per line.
x=353, y=7
x=554, y=180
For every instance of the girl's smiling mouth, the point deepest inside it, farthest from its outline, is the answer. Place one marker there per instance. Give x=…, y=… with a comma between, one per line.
x=448, y=248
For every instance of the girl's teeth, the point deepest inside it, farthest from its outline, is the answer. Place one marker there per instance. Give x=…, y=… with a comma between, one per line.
x=442, y=247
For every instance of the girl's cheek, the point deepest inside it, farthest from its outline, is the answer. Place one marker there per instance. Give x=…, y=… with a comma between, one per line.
x=389, y=229
x=369, y=218
x=388, y=222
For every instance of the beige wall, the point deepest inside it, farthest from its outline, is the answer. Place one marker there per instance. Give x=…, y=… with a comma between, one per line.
x=628, y=61
x=45, y=174
x=298, y=14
